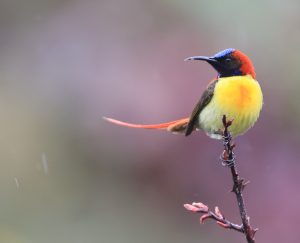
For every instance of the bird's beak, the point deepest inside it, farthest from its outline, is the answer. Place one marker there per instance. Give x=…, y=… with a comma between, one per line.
x=211, y=60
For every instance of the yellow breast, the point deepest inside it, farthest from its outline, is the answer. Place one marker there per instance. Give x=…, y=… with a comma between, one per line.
x=239, y=98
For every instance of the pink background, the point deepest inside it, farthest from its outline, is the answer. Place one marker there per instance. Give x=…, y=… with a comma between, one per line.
x=68, y=176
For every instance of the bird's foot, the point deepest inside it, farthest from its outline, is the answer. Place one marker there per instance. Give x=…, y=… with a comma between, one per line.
x=227, y=160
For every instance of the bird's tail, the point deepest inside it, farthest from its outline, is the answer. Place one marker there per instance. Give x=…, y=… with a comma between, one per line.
x=178, y=126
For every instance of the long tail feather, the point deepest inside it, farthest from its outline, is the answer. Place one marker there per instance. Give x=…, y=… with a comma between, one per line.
x=172, y=126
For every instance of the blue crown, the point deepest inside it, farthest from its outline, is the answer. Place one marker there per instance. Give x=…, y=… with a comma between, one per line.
x=224, y=52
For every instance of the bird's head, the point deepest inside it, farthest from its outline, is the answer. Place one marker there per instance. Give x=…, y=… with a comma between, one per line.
x=229, y=62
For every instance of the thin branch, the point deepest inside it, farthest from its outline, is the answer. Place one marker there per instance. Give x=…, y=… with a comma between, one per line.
x=228, y=159
x=217, y=216
x=239, y=184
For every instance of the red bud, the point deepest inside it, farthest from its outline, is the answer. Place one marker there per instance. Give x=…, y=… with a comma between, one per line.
x=191, y=208
x=204, y=217
x=218, y=213
x=226, y=226
x=202, y=207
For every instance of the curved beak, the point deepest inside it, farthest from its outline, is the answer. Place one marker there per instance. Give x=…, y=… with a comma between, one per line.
x=210, y=60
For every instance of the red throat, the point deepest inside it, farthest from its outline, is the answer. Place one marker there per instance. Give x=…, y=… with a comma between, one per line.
x=247, y=67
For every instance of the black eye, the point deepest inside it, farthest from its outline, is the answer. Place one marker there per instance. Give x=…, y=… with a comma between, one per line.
x=228, y=60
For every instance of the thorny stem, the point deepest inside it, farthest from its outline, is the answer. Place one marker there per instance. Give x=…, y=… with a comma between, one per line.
x=228, y=159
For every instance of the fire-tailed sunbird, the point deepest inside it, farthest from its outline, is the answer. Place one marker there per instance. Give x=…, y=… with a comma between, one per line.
x=235, y=93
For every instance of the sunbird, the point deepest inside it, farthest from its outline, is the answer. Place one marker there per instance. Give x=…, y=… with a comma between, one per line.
x=235, y=93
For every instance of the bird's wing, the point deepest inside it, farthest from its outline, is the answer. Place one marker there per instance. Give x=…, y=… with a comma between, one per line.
x=178, y=126
x=204, y=101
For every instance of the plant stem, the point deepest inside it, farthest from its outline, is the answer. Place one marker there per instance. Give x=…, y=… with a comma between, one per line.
x=238, y=183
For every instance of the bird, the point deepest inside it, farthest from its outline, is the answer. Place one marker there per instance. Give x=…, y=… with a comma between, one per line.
x=234, y=92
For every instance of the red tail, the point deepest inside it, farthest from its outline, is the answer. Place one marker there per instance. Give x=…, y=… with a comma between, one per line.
x=173, y=126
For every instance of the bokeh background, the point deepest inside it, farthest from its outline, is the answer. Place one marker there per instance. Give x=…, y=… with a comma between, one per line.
x=68, y=176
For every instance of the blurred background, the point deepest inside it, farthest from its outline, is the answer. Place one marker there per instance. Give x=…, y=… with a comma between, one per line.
x=68, y=176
